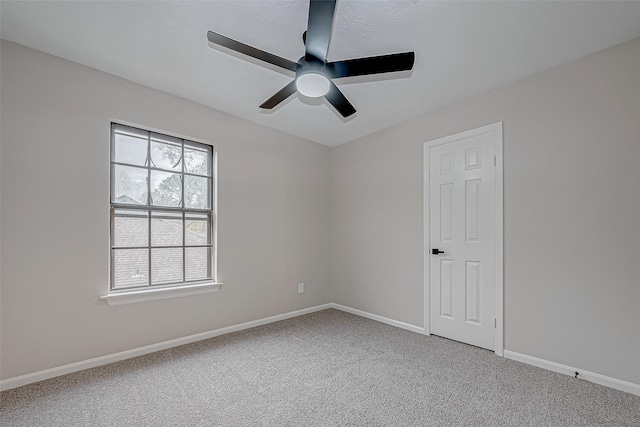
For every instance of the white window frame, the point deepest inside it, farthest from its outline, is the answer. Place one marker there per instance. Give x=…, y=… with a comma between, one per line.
x=150, y=291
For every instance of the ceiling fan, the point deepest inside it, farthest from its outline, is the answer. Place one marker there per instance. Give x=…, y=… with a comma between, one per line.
x=313, y=73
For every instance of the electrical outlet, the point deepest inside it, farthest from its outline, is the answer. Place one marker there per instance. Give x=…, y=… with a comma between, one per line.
x=300, y=288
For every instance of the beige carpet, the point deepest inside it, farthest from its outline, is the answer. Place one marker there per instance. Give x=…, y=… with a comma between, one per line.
x=324, y=369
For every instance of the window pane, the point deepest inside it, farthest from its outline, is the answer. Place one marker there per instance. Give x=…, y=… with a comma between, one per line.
x=166, y=154
x=198, y=263
x=166, y=189
x=130, y=185
x=197, y=229
x=131, y=268
x=197, y=192
x=130, y=228
x=197, y=159
x=166, y=265
x=130, y=146
x=166, y=228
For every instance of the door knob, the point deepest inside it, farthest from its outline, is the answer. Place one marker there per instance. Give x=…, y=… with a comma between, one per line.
x=436, y=251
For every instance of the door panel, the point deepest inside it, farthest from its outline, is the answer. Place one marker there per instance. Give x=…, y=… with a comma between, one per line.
x=472, y=194
x=446, y=214
x=472, y=285
x=446, y=288
x=461, y=203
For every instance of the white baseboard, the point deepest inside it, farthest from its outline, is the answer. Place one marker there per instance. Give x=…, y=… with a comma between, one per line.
x=413, y=328
x=569, y=370
x=21, y=380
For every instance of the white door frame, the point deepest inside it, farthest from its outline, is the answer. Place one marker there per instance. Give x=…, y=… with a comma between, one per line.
x=496, y=130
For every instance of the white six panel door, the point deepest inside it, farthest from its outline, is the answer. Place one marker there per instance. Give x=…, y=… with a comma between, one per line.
x=461, y=204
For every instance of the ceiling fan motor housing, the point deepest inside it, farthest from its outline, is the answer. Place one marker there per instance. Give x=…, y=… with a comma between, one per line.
x=308, y=64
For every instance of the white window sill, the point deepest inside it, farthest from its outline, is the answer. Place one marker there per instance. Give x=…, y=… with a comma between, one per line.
x=144, y=295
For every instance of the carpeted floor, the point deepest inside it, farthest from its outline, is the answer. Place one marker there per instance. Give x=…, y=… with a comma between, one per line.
x=324, y=369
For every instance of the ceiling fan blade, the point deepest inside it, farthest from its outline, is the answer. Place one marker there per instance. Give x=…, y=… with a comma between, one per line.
x=339, y=101
x=319, y=29
x=280, y=96
x=372, y=65
x=221, y=40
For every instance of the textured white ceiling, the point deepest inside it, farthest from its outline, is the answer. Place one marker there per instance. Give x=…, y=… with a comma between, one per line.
x=462, y=49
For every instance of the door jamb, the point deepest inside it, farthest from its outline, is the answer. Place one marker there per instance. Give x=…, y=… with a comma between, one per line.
x=496, y=130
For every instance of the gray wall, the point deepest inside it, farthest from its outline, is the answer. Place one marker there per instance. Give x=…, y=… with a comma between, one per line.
x=274, y=199
x=571, y=209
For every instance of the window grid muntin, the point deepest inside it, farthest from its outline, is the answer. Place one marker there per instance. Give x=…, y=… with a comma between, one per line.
x=155, y=168
x=149, y=208
x=149, y=202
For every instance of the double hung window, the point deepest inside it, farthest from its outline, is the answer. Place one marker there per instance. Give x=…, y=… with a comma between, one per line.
x=162, y=217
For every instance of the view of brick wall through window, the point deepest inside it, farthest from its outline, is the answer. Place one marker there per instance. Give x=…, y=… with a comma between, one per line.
x=161, y=216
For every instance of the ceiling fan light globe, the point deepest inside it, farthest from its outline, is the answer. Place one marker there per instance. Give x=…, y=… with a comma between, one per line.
x=312, y=85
